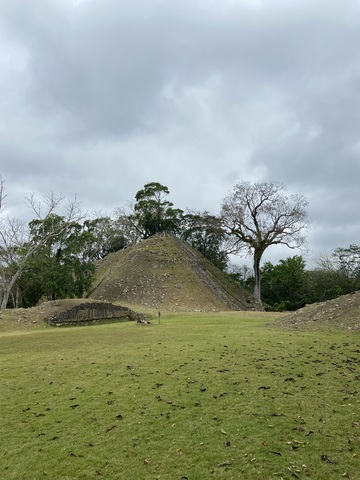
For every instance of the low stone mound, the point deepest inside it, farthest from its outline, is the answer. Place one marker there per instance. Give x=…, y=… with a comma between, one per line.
x=340, y=313
x=64, y=313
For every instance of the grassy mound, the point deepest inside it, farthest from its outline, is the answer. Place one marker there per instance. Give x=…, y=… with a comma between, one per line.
x=165, y=274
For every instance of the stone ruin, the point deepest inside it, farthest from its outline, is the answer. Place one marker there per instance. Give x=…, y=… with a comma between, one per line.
x=91, y=313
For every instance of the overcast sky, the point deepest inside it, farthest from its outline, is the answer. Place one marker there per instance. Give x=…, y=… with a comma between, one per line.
x=99, y=97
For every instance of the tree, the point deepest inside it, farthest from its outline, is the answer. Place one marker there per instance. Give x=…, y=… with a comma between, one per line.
x=2, y=193
x=126, y=221
x=103, y=237
x=347, y=261
x=241, y=274
x=284, y=284
x=18, y=243
x=204, y=232
x=59, y=268
x=336, y=273
x=259, y=215
x=154, y=214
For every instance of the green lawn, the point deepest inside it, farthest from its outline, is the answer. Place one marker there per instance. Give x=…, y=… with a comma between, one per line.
x=199, y=396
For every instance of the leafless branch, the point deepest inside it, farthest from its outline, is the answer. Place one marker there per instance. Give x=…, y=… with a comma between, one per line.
x=45, y=207
x=2, y=193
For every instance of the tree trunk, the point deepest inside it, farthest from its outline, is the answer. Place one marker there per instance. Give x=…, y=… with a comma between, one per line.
x=257, y=275
x=7, y=289
x=5, y=297
x=1, y=297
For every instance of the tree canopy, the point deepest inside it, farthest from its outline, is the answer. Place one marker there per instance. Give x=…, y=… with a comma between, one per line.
x=153, y=213
x=204, y=232
x=284, y=284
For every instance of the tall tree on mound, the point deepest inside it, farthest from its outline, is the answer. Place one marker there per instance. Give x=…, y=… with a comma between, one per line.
x=153, y=213
x=259, y=215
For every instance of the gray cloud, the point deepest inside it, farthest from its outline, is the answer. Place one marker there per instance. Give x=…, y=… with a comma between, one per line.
x=99, y=97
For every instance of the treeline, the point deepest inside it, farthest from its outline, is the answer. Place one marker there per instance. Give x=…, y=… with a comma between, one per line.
x=54, y=255
x=289, y=285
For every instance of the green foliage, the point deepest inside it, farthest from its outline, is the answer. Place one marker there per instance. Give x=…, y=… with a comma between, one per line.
x=57, y=269
x=19, y=242
x=200, y=396
x=325, y=285
x=289, y=286
x=104, y=237
x=337, y=274
x=204, y=232
x=241, y=275
x=347, y=261
x=154, y=214
x=283, y=285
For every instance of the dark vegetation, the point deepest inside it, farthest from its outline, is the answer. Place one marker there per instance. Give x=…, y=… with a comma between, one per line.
x=290, y=286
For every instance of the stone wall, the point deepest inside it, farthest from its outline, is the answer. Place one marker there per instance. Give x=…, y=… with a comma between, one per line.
x=90, y=313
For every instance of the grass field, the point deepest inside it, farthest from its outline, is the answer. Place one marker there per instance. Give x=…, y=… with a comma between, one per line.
x=199, y=396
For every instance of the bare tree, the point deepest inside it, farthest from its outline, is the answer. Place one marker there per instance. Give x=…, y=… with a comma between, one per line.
x=2, y=194
x=259, y=215
x=126, y=222
x=17, y=243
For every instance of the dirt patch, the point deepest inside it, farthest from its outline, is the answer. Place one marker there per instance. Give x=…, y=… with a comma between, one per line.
x=341, y=313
